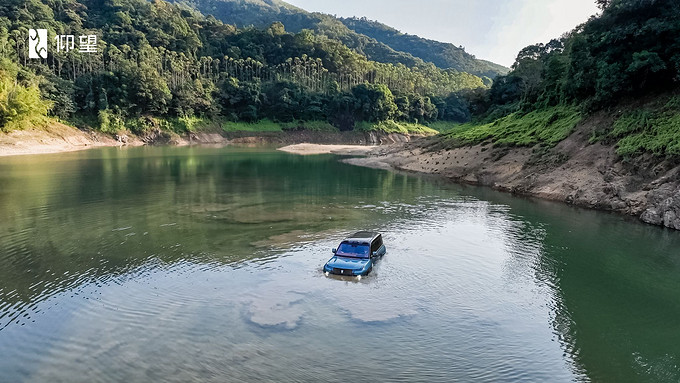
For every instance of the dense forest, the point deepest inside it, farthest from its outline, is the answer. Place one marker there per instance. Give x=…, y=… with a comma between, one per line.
x=161, y=63
x=630, y=51
x=376, y=41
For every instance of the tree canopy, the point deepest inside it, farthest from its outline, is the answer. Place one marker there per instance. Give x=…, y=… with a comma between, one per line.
x=631, y=49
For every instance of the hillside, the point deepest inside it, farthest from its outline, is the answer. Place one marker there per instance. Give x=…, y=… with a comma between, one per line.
x=443, y=55
x=363, y=37
x=165, y=67
x=629, y=52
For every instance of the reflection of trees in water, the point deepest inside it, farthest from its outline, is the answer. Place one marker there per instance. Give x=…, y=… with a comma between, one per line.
x=70, y=223
x=613, y=285
x=614, y=289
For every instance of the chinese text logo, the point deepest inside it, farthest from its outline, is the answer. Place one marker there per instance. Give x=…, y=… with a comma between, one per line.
x=66, y=43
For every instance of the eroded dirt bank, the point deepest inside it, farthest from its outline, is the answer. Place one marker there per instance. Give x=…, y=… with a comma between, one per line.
x=575, y=171
x=58, y=138
x=55, y=139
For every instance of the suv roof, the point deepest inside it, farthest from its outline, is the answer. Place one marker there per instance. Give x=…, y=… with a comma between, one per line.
x=360, y=236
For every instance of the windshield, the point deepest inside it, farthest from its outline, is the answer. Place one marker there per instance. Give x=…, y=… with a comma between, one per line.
x=356, y=250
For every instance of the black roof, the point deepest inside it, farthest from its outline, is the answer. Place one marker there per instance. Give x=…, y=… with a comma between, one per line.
x=363, y=235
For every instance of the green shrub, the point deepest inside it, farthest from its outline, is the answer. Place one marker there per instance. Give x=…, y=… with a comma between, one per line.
x=110, y=122
x=21, y=104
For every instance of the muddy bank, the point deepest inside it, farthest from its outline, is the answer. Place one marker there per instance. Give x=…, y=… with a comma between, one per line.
x=312, y=137
x=57, y=138
x=575, y=172
x=311, y=149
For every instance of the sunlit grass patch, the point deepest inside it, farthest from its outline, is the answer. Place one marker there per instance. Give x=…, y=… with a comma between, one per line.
x=259, y=126
x=444, y=126
x=656, y=132
x=267, y=125
x=390, y=126
x=545, y=126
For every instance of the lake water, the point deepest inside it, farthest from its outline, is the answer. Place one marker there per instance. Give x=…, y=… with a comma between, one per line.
x=204, y=264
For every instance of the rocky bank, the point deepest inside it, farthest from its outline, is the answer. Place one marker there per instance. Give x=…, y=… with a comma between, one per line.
x=575, y=172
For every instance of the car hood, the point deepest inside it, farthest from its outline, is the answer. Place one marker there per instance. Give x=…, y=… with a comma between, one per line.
x=347, y=263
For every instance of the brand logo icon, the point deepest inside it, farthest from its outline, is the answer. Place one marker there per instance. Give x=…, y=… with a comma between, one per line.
x=37, y=43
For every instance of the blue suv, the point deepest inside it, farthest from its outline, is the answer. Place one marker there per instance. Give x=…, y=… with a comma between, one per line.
x=356, y=255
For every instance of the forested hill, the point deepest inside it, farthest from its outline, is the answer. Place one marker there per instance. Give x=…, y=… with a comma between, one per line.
x=377, y=41
x=159, y=64
x=443, y=55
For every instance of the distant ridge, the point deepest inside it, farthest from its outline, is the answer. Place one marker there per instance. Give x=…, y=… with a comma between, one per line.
x=443, y=55
x=373, y=39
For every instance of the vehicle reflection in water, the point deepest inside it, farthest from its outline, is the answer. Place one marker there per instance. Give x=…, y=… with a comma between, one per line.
x=180, y=264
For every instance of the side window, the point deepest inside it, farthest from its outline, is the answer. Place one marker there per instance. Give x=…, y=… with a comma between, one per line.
x=375, y=246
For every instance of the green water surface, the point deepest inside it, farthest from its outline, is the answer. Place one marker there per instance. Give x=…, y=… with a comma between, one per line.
x=204, y=264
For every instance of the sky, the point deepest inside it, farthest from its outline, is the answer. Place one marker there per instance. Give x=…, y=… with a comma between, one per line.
x=493, y=30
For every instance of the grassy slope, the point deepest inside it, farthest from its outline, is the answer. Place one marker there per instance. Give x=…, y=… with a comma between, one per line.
x=548, y=126
x=652, y=128
x=271, y=126
x=395, y=127
x=648, y=129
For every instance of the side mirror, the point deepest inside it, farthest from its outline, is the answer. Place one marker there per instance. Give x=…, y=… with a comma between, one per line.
x=374, y=254
x=334, y=250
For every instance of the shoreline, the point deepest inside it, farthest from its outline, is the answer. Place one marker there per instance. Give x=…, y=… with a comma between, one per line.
x=56, y=138
x=61, y=138
x=575, y=172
